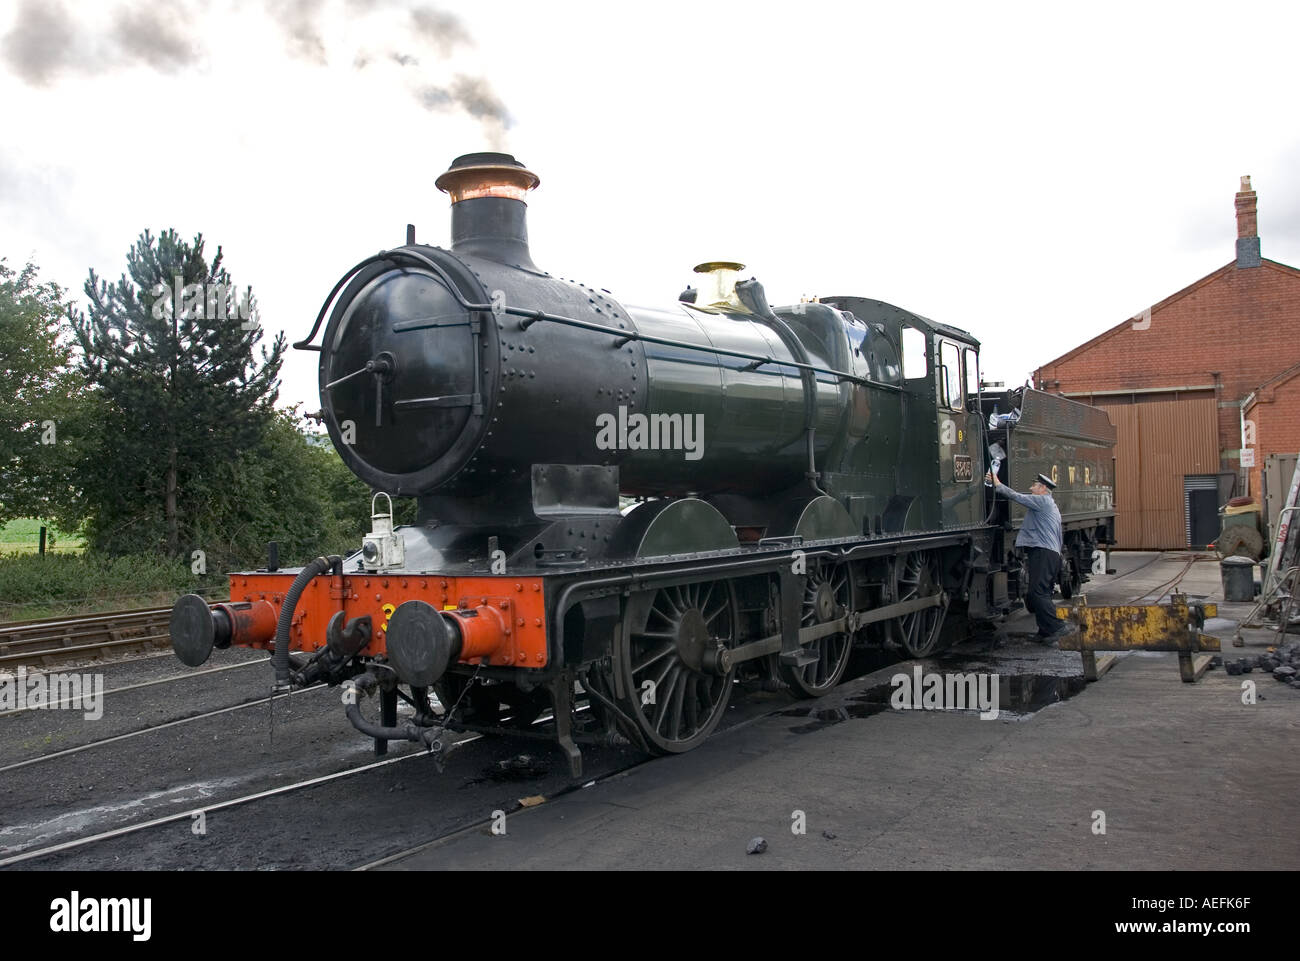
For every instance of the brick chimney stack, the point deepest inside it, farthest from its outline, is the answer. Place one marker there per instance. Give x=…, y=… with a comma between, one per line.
x=1247, y=227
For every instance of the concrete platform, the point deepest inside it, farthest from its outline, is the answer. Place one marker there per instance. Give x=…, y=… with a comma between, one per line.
x=1185, y=776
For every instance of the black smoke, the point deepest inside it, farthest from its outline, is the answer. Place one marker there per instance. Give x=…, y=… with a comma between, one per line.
x=45, y=43
x=41, y=44
x=299, y=20
x=143, y=35
x=440, y=28
x=471, y=94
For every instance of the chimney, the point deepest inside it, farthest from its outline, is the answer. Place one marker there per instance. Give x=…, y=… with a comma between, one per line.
x=1247, y=227
x=488, y=213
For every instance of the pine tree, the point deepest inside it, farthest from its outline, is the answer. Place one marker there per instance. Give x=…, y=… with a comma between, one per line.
x=170, y=351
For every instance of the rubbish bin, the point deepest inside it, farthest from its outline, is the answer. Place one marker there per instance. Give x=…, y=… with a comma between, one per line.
x=1238, y=578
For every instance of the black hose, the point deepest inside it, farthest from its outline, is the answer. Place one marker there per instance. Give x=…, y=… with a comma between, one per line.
x=378, y=730
x=408, y=731
x=280, y=659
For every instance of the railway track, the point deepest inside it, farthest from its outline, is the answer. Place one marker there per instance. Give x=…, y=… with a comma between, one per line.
x=149, y=824
x=255, y=799
x=149, y=832
x=173, y=679
x=115, y=738
x=51, y=642
x=1161, y=589
x=479, y=825
x=52, y=849
x=153, y=824
x=1141, y=567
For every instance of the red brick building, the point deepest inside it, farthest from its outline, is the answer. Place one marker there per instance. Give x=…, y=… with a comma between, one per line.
x=1208, y=371
x=1273, y=417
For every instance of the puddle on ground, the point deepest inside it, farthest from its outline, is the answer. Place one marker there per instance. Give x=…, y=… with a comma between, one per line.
x=1019, y=696
x=521, y=767
x=1030, y=693
x=819, y=718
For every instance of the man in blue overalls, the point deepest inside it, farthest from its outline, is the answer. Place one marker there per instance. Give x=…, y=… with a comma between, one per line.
x=1040, y=537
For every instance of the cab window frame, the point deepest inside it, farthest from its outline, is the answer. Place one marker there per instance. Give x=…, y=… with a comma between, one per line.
x=950, y=375
x=969, y=354
x=914, y=352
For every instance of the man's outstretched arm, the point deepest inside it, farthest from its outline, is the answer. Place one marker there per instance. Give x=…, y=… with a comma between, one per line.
x=1031, y=501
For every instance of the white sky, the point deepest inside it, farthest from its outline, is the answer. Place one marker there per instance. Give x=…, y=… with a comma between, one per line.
x=1032, y=173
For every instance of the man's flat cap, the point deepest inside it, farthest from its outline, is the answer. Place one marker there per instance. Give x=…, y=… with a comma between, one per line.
x=1044, y=479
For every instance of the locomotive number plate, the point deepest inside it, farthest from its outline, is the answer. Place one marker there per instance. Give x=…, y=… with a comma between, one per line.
x=963, y=467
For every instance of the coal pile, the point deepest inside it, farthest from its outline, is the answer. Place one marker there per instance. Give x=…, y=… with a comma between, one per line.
x=1282, y=662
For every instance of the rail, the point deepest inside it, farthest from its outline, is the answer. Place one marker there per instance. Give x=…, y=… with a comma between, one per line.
x=51, y=641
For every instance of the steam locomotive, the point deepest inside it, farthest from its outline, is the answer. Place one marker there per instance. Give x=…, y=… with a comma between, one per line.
x=633, y=508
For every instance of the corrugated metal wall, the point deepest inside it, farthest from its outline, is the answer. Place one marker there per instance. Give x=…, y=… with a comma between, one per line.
x=1159, y=442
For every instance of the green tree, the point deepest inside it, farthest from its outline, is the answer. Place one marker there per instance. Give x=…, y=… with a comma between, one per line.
x=183, y=394
x=39, y=397
x=286, y=488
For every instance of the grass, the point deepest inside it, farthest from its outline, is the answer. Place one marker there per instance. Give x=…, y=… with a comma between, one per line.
x=66, y=584
x=23, y=536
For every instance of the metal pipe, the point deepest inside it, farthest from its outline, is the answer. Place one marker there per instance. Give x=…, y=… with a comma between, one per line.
x=532, y=316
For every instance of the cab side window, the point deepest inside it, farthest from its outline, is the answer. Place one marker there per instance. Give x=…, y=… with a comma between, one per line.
x=950, y=376
x=914, y=360
x=970, y=360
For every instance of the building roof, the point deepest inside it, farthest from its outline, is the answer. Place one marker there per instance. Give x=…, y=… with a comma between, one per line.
x=1190, y=288
x=1271, y=384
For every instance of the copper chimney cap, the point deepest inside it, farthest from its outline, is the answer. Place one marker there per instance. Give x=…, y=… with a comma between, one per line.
x=486, y=175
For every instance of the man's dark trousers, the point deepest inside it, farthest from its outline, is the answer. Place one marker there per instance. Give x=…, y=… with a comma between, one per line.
x=1044, y=566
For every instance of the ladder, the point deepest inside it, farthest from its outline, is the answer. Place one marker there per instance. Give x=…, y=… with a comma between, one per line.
x=1283, y=575
x=1283, y=556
